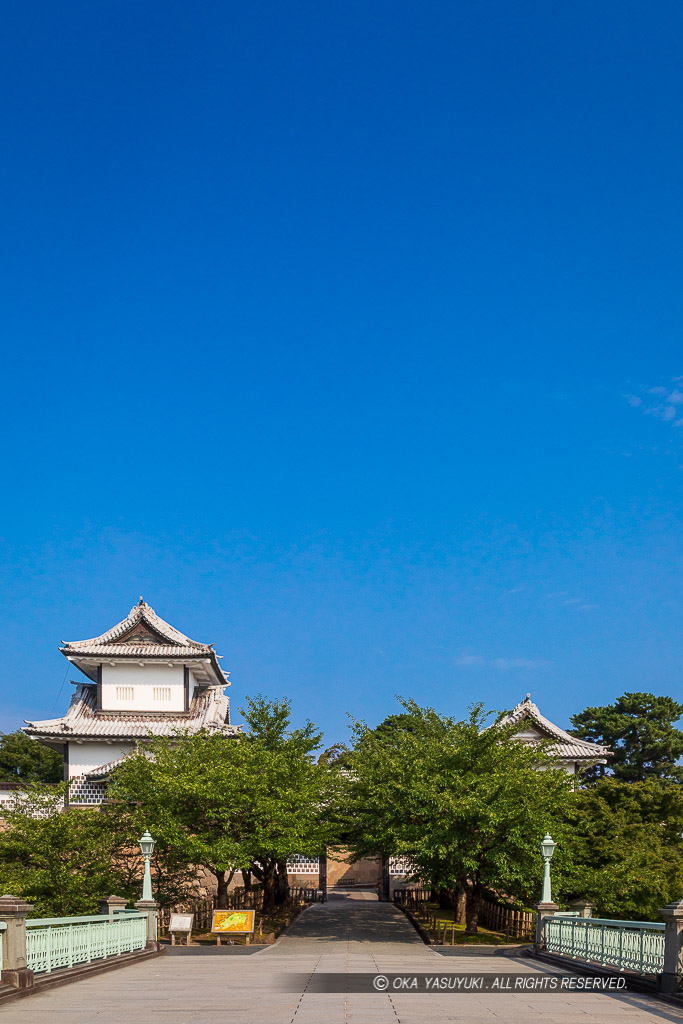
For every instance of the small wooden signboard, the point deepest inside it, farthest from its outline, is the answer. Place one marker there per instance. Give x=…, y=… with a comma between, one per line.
x=181, y=924
x=233, y=922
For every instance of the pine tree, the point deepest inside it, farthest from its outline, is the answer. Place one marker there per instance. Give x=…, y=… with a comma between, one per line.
x=639, y=727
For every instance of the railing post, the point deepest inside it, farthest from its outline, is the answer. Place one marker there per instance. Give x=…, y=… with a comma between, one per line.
x=112, y=904
x=151, y=908
x=671, y=979
x=542, y=910
x=584, y=907
x=15, y=972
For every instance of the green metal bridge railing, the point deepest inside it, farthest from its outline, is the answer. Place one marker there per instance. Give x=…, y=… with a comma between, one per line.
x=54, y=942
x=624, y=945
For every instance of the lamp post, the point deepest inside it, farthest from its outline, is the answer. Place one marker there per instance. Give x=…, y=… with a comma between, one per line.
x=147, y=845
x=547, y=850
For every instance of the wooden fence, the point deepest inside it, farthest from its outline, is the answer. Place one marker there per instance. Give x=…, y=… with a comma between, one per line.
x=411, y=897
x=501, y=918
x=497, y=917
x=202, y=910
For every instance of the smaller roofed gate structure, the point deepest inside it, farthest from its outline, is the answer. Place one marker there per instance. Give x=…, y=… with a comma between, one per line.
x=572, y=753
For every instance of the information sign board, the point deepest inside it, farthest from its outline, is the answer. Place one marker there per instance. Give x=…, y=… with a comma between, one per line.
x=233, y=922
x=181, y=923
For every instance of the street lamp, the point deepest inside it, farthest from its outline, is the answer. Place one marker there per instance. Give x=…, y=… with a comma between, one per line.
x=547, y=850
x=147, y=846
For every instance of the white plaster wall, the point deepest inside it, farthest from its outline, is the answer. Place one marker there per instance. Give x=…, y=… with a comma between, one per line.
x=83, y=757
x=529, y=733
x=143, y=679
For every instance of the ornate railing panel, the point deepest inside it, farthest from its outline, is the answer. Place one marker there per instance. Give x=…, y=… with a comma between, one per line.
x=53, y=942
x=626, y=945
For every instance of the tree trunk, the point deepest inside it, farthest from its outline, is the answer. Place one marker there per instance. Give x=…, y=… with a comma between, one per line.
x=474, y=898
x=460, y=906
x=246, y=879
x=282, y=887
x=269, y=890
x=223, y=880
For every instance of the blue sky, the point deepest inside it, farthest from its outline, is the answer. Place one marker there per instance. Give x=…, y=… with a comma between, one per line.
x=349, y=335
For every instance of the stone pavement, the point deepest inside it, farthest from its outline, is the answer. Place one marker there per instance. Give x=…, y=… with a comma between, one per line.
x=344, y=935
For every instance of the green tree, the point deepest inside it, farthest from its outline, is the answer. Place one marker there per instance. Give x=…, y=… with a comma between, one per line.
x=337, y=754
x=269, y=724
x=63, y=863
x=466, y=805
x=231, y=803
x=26, y=760
x=626, y=849
x=639, y=727
x=396, y=723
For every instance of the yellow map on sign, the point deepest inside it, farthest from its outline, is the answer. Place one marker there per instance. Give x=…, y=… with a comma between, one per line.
x=239, y=921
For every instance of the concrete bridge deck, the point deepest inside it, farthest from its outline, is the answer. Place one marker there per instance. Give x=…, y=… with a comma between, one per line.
x=345, y=935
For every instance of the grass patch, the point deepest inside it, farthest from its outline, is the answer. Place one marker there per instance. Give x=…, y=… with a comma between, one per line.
x=483, y=937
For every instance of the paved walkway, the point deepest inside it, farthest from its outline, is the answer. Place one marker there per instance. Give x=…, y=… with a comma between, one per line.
x=345, y=935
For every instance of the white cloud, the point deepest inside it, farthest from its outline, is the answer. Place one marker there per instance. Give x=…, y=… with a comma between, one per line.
x=667, y=408
x=509, y=593
x=662, y=412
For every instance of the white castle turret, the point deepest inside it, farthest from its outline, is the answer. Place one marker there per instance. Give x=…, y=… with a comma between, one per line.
x=144, y=679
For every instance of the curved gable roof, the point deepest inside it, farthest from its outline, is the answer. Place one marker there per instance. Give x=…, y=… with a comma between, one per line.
x=132, y=629
x=565, y=746
x=142, y=634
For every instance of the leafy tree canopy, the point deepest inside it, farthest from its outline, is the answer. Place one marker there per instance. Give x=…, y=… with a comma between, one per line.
x=468, y=806
x=64, y=861
x=639, y=727
x=403, y=722
x=626, y=849
x=60, y=862
x=269, y=723
x=229, y=803
x=337, y=754
x=25, y=760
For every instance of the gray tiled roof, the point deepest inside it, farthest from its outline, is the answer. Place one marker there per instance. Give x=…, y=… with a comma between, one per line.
x=105, y=770
x=142, y=634
x=140, y=614
x=139, y=651
x=566, y=747
x=209, y=709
